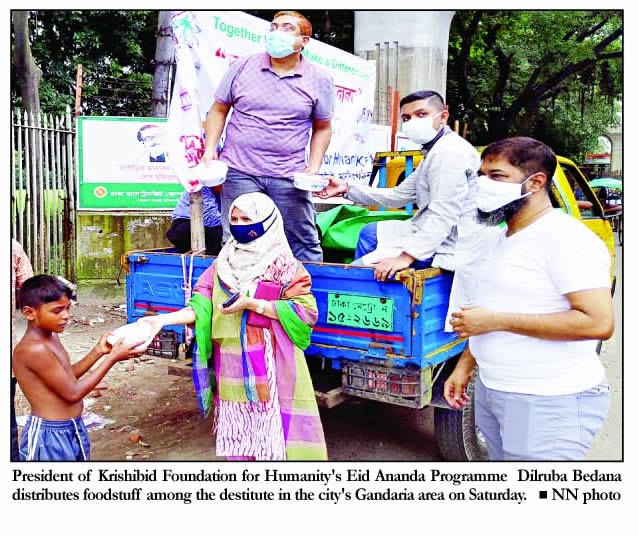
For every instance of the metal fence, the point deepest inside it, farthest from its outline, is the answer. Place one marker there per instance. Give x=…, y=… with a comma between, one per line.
x=43, y=190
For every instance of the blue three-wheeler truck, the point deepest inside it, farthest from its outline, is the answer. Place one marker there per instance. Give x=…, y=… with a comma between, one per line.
x=382, y=341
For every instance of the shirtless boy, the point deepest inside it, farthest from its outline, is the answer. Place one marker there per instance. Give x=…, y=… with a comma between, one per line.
x=53, y=386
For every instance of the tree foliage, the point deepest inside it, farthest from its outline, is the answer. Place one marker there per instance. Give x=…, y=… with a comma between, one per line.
x=333, y=27
x=115, y=49
x=552, y=75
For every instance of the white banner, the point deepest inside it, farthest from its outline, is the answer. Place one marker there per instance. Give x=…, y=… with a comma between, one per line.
x=206, y=42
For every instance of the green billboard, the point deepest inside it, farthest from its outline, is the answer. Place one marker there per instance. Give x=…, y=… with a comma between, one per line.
x=122, y=165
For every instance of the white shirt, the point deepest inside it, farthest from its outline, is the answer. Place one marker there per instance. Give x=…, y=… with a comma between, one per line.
x=530, y=272
x=444, y=189
x=439, y=187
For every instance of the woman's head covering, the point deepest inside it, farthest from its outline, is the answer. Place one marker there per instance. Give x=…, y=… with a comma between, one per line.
x=268, y=257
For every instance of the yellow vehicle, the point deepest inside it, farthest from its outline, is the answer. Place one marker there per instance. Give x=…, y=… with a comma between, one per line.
x=571, y=190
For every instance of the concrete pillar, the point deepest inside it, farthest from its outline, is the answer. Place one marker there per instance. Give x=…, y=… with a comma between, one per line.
x=615, y=136
x=421, y=59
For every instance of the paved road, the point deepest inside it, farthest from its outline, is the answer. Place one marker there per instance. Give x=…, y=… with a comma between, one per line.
x=366, y=430
x=608, y=443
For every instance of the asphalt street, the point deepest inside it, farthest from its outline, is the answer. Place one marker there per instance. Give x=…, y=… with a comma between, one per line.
x=608, y=443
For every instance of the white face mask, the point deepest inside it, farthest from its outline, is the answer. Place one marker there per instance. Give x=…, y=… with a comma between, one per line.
x=493, y=194
x=420, y=129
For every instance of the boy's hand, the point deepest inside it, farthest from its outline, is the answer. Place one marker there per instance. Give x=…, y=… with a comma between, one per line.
x=103, y=347
x=122, y=352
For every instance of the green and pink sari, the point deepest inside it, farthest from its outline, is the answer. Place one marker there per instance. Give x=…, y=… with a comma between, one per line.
x=265, y=407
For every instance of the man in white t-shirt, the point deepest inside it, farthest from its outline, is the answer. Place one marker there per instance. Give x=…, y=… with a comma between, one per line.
x=542, y=301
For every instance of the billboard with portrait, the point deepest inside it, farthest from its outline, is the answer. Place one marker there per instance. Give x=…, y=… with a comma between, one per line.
x=122, y=165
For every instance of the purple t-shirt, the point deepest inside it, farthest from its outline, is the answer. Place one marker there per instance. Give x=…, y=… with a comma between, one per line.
x=272, y=116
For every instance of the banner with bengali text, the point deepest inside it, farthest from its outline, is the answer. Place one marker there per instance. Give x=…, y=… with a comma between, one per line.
x=207, y=42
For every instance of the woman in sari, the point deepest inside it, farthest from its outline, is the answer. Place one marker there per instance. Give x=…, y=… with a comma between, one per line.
x=264, y=403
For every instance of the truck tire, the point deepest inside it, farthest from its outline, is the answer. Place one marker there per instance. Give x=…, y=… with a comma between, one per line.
x=456, y=433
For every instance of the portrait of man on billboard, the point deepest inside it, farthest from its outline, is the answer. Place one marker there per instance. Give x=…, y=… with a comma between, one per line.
x=150, y=136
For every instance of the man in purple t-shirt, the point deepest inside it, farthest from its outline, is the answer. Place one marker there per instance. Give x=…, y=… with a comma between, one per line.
x=278, y=98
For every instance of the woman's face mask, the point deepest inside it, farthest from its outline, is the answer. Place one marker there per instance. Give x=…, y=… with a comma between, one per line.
x=421, y=129
x=493, y=195
x=248, y=232
x=280, y=44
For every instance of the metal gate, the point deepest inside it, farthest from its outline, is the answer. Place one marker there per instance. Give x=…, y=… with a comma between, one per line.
x=43, y=197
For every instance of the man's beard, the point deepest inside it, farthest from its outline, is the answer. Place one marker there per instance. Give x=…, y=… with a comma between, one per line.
x=504, y=213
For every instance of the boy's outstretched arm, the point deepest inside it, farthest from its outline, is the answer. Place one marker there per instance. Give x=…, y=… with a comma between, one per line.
x=101, y=349
x=41, y=361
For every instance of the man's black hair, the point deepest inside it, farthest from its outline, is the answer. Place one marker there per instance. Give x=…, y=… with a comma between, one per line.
x=527, y=154
x=432, y=97
x=41, y=289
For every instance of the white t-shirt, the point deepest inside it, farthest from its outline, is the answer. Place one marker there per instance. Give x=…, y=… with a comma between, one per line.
x=530, y=272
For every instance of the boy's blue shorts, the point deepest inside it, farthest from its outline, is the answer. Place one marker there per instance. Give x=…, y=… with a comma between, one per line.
x=55, y=441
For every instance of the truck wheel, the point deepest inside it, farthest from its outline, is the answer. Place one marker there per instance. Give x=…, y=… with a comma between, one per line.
x=456, y=434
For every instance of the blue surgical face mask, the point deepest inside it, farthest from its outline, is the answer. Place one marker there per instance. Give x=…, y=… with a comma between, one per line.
x=247, y=233
x=280, y=44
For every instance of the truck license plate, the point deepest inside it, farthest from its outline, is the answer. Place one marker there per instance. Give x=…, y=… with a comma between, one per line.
x=365, y=312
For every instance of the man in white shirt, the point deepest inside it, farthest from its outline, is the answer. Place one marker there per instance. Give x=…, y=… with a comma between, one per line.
x=542, y=301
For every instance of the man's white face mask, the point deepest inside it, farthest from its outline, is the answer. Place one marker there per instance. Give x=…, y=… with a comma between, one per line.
x=421, y=129
x=493, y=195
